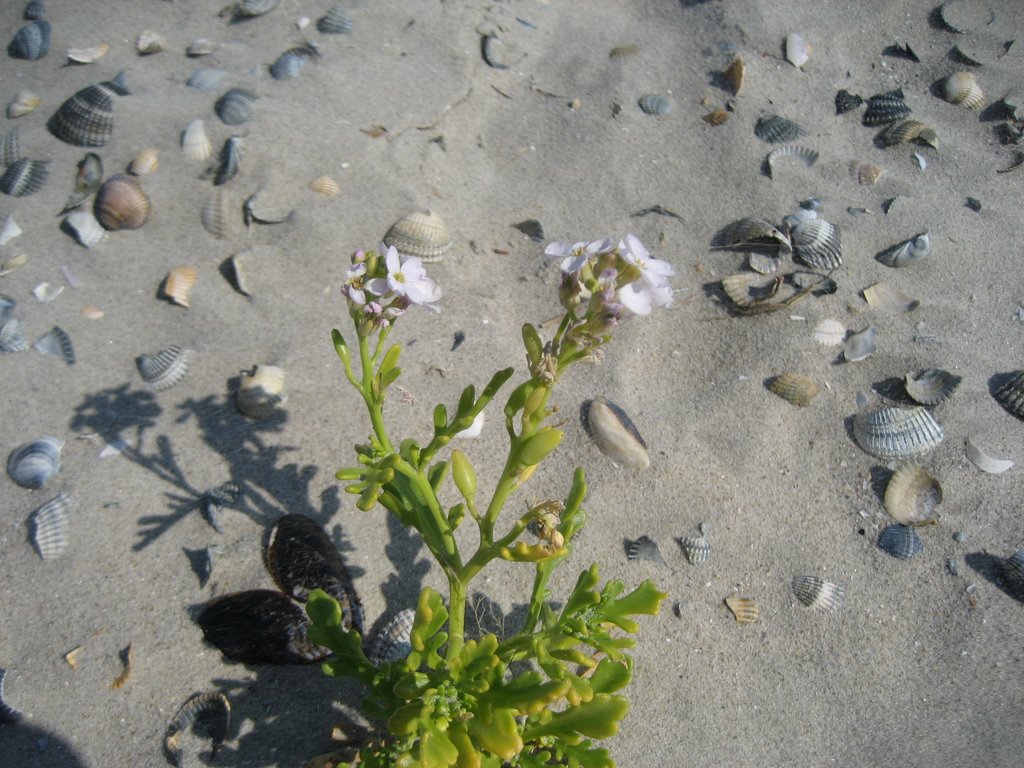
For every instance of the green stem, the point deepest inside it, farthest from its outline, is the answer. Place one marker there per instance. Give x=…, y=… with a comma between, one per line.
x=457, y=587
x=373, y=406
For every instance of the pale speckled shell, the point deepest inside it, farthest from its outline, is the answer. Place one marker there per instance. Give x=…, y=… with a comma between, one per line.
x=912, y=495
x=393, y=641
x=178, y=285
x=901, y=542
x=22, y=104
x=121, y=203
x=49, y=526
x=614, y=433
x=931, y=386
x=962, y=88
x=817, y=593
x=165, y=368
x=421, y=234
x=261, y=393
x=194, y=141
x=796, y=388
x=744, y=609
x=325, y=185
x=31, y=465
x=146, y=161
x=896, y=433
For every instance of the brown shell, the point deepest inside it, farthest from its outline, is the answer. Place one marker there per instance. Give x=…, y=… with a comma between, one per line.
x=909, y=130
x=866, y=173
x=121, y=203
x=146, y=161
x=797, y=388
x=747, y=288
x=734, y=74
x=717, y=117
x=912, y=495
x=325, y=185
x=178, y=285
x=744, y=609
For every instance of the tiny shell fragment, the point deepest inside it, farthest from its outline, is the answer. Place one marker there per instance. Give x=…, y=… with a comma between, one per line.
x=984, y=462
x=889, y=299
x=798, y=50
x=325, y=185
x=128, y=659
x=744, y=609
x=614, y=433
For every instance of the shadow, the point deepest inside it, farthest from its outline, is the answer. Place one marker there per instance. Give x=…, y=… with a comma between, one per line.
x=935, y=19
x=1008, y=390
x=402, y=588
x=26, y=745
x=880, y=476
x=901, y=51
x=894, y=388
x=990, y=113
x=484, y=615
x=990, y=568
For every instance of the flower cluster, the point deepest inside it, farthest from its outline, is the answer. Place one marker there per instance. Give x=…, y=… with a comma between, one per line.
x=379, y=289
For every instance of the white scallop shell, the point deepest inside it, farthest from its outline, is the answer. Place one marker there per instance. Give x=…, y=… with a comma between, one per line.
x=194, y=141
x=421, y=234
x=49, y=527
x=829, y=332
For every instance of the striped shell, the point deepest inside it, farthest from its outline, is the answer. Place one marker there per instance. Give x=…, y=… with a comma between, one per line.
x=212, y=710
x=206, y=79
x=178, y=285
x=912, y=495
x=194, y=141
x=900, y=541
x=393, y=642
x=696, y=549
x=49, y=526
x=798, y=50
x=796, y=388
x=8, y=714
x=56, y=343
x=754, y=231
x=34, y=10
x=87, y=118
x=230, y=160
x=146, y=161
x=334, y=22
x=22, y=104
x=325, y=185
x=777, y=130
x=746, y=289
x=423, y=235
x=1010, y=394
x=817, y=243
x=12, y=336
x=907, y=252
x=84, y=227
x=1013, y=573
x=625, y=51
x=261, y=393
x=805, y=155
x=816, y=593
x=31, y=42
x=931, y=386
x=166, y=368
x=908, y=130
x=614, y=433
x=829, y=332
x=895, y=433
x=121, y=203
x=219, y=214
x=24, y=177
x=984, y=462
x=866, y=173
x=654, y=104
x=10, y=147
x=644, y=548
x=845, y=101
x=235, y=106
x=31, y=465
x=962, y=88
x=744, y=609
x=885, y=108
x=7, y=305
x=287, y=66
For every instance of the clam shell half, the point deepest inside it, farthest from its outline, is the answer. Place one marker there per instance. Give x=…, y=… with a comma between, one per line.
x=896, y=433
x=912, y=495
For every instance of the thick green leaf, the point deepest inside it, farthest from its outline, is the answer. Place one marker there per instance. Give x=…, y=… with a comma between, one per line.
x=598, y=718
x=611, y=676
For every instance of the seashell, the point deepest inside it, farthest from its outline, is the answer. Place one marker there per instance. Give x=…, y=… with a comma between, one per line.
x=87, y=55
x=300, y=557
x=896, y=433
x=493, y=51
x=984, y=462
x=777, y=130
x=697, y=550
x=393, y=643
x=747, y=289
x=798, y=50
x=806, y=156
x=421, y=234
x=22, y=104
x=866, y=173
x=1010, y=394
x=194, y=141
x=150, y=42
x=734, y=74
x=716, y=117
x=860, y=345
x=17, y=261
x=931, y=386
x=178, y=285
x=146, y=161
x=744, y=609
x=31, y=42
x=889, y=299
x=261, y=392
x=34, y=10
x=206, y=79
x=12, y=336
x=845, y=101
x=49, y=526
x=91, y=312
x=7, y=305
x=24, y=177
x=907, y=252
x=287, y=65
x=257, y=626
x=821, y=595
x=208, y=713
x=8, y=714
x=84, y=228
x=200, y=47
x=965, y=16
x=962, y=88
x=908, y=130
x=166, y=368
x=263, y=215
x=251, y=8
x=235, y=106
x=215, y=499
x=644, y=548
x=9, y=230
x=121, y=203
x=1013, y=573
x=797, y=388
x=762, y=263
x=885, y=108
x=57, y=343
x=817, y=243
x=626, y=51
x=87, y=180
x=219, y=214
x=532, y=228
x=912, y=495
x=829, y=333
x=334, y=22
x=31, y=465
x=753, y=231
x=230, y=160
x=234, y=272
x=614, y=433
x=87, y=118
x=654, y=104
x=45, y=293
x=325, y=185
x=900, y=541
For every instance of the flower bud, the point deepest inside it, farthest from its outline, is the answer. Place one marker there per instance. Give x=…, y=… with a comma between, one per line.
x=540, y=445
x=464, y=475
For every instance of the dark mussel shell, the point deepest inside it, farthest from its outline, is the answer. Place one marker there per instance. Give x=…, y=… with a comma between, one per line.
x=260, y=625
x=31, y=42
x=301, y=558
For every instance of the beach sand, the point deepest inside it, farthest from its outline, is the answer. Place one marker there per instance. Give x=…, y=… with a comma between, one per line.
x=920, y=667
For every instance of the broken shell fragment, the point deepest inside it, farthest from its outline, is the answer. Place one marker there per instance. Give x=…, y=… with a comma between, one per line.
x=178, y=285
x=900, y=541
x=84, y=228
x=56, y=343
x=753, y=232
x=984, y=462
x=896, y=433
x=31, y=465
x=165, y=368
x=49, y=526
x=805, y=155
x=1010, y=394
x=22, y=104
x=889, y=299
x=393, y=642
x=796, y=388
x=962, y=88
x=335, y=22
x=798, y=50
x=964, y=16
x=931, y=386
x=8, y=714
x=12, y=336
x=747, y=289
x=906, y=131
x=420, y=234
x=907, y=252
x=912, y=495
x=845, y=101
x=205, y=713
x=9, y=230
x=734, y=75
x=697, y=549
x=744, y=609
x=614, y=433
x=819, y=594
x=88, y=178
x=644, y=548
x=121, y=203
x=325, y=185
x=261, y=393
x=777, y=130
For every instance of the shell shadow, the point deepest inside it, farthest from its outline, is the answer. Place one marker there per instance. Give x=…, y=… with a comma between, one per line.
x=27, y=744
x=990, y=568
x=880, y=476
x=894, y=389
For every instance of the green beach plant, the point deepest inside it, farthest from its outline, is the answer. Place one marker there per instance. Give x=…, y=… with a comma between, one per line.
x=542, y=695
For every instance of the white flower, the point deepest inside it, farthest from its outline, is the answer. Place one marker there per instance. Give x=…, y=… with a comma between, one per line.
x=353, y=287
x=654, y=272
x=406, y=279
x=575, y=255
x=641, y=298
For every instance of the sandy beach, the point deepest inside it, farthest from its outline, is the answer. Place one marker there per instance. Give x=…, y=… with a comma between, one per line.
x=921, y=666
